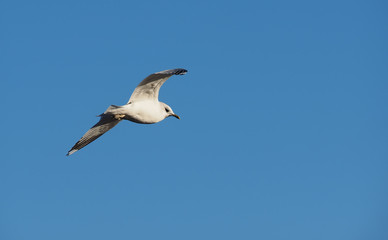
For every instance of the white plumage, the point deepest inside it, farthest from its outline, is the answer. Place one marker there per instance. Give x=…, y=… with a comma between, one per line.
x=143, y=107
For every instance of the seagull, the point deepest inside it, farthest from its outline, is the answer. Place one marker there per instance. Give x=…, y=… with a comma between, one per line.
x=143, y=107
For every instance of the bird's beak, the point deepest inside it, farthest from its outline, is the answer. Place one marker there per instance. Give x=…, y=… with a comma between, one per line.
x=175, y=115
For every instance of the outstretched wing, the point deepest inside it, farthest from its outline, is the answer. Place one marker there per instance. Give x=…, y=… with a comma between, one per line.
x=149, y=87
x=105, y=124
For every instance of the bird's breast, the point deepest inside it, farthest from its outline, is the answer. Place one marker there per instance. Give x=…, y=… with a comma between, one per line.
x=146, y=112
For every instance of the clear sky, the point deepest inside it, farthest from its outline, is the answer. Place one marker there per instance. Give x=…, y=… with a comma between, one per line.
x=283, y=131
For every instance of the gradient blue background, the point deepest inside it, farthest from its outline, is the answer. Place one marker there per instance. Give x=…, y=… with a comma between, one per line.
x=283, y=134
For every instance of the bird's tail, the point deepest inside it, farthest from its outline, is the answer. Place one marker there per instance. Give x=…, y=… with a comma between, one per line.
x=109, y=110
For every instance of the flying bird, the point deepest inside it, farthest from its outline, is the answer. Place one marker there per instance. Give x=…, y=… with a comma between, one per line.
x=143, y=107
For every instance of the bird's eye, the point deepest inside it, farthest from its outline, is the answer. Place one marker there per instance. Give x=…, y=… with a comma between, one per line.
x=167, y=110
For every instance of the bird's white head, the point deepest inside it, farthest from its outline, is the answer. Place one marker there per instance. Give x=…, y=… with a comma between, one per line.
x=168, y=111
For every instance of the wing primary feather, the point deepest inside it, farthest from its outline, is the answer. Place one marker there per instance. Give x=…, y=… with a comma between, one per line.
x=176, y=71
x=148, y=89
x=106, y=123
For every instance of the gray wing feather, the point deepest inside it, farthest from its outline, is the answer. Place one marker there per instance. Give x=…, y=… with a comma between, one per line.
x=149, y=87
x=105, y=124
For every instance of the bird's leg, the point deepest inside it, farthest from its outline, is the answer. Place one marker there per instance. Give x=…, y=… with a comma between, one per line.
x=119, y=116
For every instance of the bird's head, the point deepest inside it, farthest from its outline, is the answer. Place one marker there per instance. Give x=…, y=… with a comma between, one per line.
x=169, y=111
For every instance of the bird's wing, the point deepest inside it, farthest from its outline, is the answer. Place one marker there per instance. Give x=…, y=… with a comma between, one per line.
x=149, y=87
x=105, y=124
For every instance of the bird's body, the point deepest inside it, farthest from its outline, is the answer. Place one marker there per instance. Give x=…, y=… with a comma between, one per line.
x=143, y=107
x=145, y=112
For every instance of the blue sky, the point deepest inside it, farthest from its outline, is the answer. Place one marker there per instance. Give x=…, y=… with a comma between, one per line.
x=283, y=133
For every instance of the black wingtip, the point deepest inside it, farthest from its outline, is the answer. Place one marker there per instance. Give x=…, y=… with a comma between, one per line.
x=73, y=150
x=180, y=71
x=176, y=71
